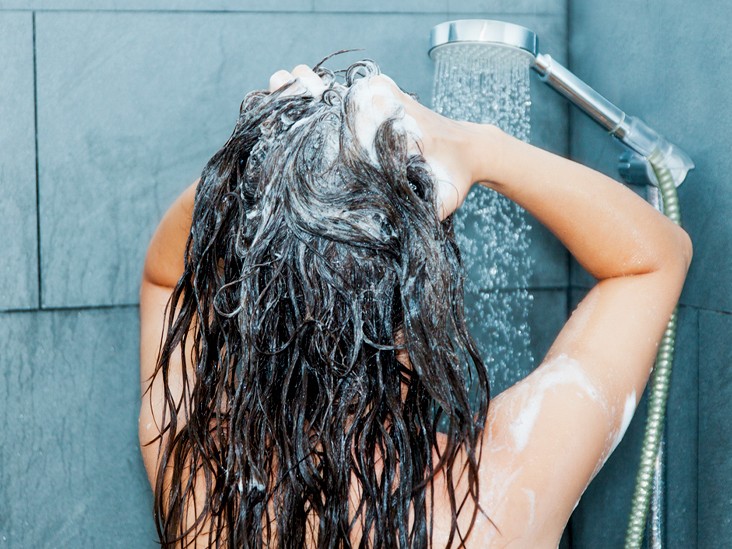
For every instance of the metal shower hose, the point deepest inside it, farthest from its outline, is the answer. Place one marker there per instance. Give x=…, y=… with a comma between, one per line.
x=660, y=381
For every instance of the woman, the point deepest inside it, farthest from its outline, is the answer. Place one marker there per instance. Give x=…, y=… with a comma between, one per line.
x=314, y=339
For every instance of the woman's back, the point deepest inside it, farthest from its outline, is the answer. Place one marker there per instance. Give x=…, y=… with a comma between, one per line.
x=516, y=481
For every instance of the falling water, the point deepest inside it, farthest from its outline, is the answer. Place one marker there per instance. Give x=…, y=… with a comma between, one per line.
x=490, y=84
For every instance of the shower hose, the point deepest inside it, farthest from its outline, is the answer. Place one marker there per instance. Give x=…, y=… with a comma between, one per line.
x=660, y=380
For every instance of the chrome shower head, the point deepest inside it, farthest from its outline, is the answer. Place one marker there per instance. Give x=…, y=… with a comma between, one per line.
x=632, y=131
x=484, y=31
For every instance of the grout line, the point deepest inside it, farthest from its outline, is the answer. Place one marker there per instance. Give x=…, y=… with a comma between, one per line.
x=696, y=453
x=72, y=308
x=144, y=10
x=530, y=289
x=309, y=9
x=498, y=290
x=38, y=190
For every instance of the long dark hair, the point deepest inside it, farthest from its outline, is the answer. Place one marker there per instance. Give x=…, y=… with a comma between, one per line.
x=311, y=264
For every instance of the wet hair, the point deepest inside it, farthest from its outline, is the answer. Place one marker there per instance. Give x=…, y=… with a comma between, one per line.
x=311, y=264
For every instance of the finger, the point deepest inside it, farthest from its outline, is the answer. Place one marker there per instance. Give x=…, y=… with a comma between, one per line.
x=279, y=79
x=309, y=79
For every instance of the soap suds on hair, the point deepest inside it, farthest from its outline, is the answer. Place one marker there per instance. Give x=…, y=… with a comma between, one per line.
x=311, y=258
x=376, y=101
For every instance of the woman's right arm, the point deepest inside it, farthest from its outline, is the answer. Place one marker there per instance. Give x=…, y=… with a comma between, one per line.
x=556, y=428
x=639, y=257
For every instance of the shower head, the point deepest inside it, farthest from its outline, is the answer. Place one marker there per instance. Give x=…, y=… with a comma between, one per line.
x=483, y=31
x=631, y=131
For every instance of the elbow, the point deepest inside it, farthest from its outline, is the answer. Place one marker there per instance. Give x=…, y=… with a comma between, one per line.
x=683, y=248
x=678, y=256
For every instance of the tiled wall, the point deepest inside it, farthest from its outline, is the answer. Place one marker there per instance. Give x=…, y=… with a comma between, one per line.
x=669, y=63
x=107, y=113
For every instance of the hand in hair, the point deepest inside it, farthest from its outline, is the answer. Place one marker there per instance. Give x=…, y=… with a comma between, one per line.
x=447, y=145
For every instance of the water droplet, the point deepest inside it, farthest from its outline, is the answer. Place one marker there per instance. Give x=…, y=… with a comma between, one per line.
x=491, y=85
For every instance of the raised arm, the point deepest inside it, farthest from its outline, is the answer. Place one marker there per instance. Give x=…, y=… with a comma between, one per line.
x=555, y=429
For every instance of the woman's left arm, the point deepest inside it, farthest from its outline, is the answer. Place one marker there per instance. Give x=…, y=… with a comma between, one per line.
x=163, y=268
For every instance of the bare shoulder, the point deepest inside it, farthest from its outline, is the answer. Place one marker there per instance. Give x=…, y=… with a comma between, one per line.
x=548, y=436
x=545, y=438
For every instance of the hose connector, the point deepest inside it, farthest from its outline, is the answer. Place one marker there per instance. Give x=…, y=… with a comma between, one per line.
x=648, y=143
x=630, y=130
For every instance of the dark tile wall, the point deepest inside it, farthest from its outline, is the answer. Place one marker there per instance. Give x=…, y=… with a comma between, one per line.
x=714, y=438
x=124, y=101
x=19, y=267
x=668, y=62
x=131, y=105
x=70, y=471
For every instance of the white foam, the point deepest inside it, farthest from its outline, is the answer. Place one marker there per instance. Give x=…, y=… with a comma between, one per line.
x=523, y=425
x=559, y=371
x=376, y=101
x=628, y=411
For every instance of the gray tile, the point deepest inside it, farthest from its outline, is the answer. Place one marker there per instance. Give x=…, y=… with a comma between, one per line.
x=682, y=435
x=510, y=351
x=70, y=468
x=624, y=50
x=482, y=7
x=131, y=106
x=19, y=268
x=578, y=277
x=382, y=6
x=715, y=437
x=162, y=5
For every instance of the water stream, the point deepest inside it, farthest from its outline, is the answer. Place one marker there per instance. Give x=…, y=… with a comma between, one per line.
x=491, y=85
